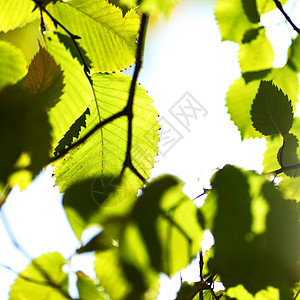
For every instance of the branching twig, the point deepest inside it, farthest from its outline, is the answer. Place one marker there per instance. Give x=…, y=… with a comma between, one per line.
x=279, y=6
x=127, y=111
x=129, y=106
x=284, y=169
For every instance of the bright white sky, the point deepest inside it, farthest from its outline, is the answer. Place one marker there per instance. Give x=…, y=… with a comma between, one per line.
x=182, y=55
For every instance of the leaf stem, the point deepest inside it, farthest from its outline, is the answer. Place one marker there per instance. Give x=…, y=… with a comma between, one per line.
x=284, y=169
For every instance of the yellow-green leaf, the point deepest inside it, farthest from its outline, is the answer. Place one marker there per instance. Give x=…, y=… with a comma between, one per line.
x=44, y=79
x=12, y=64
x=107, y=36
x=43, y=279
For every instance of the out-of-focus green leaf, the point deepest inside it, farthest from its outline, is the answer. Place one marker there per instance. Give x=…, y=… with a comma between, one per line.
x=257, y=54
x=293, y=55
x=77, y=91
x=290, y=187
x=151, y=6
x=250, y=8
x=122, y=281
x=25, y=136
x=251, y=35
x=44, y=79
x=271, y=111
x=239, y=99
x=104, y=153
x=287, y=154
x=83, y=201
x=12, y=64
x=188, y=291
x=167, y=222
x=15, y=13
x=107, y=36
x=87, y=288
x=43, y=279
x=240, y=293
x=232, y=20
x=244, y=255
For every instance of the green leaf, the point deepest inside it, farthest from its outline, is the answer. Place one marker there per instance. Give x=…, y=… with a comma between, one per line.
x=15, y=13
x=72, y=133
x=167, y=222
x=239, y=99
x=293, y=60
x=104, y=153
x=251, y=35
x=257, y=54
x=43, y=279
x=250, y=8
x=246, y=252
x=290, y=187
x=264, y=6
x=25, y=136
x=255, y=75
x=152, y=6
x=287, y=154
x=232, y=20
x=87, y=288
x=12, y=64
x=240, y=293
x=118, y=280
x=83, y=201
x=271, y=111
x=44, y=79
x=188, y=291
x=107, y=36
x=77, y=91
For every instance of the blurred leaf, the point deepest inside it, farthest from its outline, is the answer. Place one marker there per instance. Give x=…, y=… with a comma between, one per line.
x=232, y=20
x=72, y=133
x=44, y=79
x=287, y=154
x=83, y=201
x=290, y=187
x=188, y=291
x=255, y=75
x=250, y=8
x=293, y=55
x=271, y=111
x=43, y=279
x=15, y=13
x=87, y=288
x=151, y=6
x=12, y=64
x=77, y=91
x=167, y=223
x=25, y=136
x=251, y=35
x=257, y=54
x=240, y=293
x=104, y=153
x=108, y=38
x=264, y=6
x=256, y=259
x=100, y=242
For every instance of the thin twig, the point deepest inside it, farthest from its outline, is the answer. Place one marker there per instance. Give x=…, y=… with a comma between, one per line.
x=129, y=106
x=284, y=169
x=279, y=6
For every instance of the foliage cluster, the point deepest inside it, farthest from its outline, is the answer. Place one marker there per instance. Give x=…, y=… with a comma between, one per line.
x=72, y=107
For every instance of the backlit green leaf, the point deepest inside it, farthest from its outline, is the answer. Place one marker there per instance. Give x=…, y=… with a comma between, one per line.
x=25, y=136
x=293, y=55
x=15, y=13
x=12, y=64
x=232, y=20
x=104, y=153
x=240, y=293
x=44, y=79
x=77, y=91
x=250, y=8
x=43, y=279
x=271, y=111
x=257, y=54
x=243, y=255
x=107, y=36
x=148, y=6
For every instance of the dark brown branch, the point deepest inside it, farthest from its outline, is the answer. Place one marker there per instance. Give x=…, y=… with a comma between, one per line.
x=279, y=6
x=129, y=106
x=284, y=169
